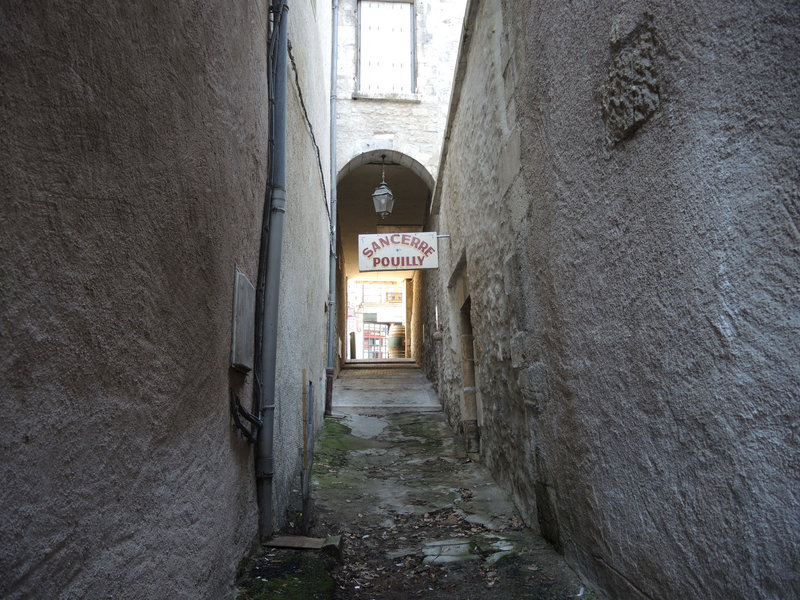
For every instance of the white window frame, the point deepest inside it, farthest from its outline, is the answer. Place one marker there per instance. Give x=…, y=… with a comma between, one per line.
x=412, y=58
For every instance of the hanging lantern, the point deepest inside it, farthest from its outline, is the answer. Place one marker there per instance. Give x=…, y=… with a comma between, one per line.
x=382, y=196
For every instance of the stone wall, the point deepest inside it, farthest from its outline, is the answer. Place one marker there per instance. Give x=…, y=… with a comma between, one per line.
x=621, y=187
x=134, y=161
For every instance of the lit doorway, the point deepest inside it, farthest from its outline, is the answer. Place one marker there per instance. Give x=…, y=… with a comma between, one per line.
x=376, y=319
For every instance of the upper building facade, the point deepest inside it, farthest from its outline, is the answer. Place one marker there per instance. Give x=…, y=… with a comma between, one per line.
x=396, y=61
x=395, y=69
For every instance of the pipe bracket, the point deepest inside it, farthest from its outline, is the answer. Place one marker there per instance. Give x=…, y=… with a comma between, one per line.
x=265, y=468
x=278, y=200
x=236, y=410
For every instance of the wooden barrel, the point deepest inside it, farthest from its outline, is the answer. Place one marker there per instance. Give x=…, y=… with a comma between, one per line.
x=397, y=341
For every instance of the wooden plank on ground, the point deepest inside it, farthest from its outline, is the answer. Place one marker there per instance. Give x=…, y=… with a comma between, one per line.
x=297, y=541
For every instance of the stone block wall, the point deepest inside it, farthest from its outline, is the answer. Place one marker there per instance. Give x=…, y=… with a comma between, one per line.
x=134, y=162
x=621, y=187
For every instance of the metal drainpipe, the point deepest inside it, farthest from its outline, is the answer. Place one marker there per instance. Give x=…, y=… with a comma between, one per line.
x=329, y=371
x=264, y=455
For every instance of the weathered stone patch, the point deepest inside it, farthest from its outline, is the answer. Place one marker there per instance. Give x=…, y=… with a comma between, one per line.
x=630, y=94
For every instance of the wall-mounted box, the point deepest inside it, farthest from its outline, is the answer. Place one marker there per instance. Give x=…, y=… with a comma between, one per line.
x=244, y=303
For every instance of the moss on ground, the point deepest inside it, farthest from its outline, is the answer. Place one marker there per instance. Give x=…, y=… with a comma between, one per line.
x=426, y=430
x=330, y=452
x=289, y=575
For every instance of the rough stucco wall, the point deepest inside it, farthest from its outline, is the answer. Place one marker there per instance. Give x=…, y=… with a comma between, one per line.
x=634, y=291
x=134, y=164
x=303, y=323
x=413, y=126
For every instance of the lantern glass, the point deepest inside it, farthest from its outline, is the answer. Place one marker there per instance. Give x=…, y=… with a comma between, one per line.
x=383, y=199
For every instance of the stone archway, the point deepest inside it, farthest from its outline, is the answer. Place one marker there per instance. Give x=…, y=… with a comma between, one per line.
x=395, y=157
x=412, y=185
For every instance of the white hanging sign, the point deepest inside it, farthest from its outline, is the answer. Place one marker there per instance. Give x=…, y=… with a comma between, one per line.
x=398, y=251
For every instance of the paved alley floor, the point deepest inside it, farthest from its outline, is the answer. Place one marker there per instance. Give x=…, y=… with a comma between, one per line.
x=418, y=518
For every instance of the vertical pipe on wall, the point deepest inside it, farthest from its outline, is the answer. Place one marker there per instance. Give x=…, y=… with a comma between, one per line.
x=277, y=206
x=330, y=368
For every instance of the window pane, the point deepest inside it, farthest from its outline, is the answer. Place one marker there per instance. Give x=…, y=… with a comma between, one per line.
x=385, y=50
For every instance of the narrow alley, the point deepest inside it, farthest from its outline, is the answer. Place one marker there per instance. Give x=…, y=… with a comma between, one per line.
x=470, y=299
x=418, y=518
